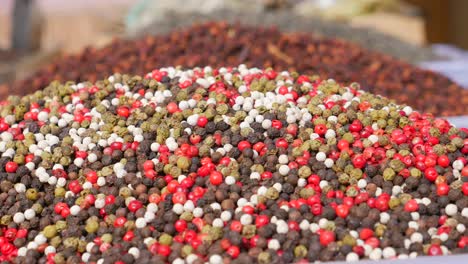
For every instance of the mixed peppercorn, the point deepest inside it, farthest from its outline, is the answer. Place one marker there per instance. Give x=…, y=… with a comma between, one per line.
x=227, y=165
x=221, y=44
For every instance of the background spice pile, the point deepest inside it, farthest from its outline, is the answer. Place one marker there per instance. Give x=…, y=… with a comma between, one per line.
x=226, y=165
x=288, y=21
x=220, y=44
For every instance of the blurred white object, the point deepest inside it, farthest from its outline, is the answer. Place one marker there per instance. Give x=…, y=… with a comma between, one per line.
x=456, y=65
x=146, y=12
x=324, y=4
x=458, y=121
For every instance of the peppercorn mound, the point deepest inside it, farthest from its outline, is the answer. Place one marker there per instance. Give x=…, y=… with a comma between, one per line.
x=230, y=163
x=220, y=44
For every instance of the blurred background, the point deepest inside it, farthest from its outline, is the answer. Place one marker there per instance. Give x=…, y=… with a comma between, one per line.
x=41, y=39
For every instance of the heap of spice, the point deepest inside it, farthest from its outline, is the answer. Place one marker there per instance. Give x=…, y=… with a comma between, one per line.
x=221, y=44
x=226, y=165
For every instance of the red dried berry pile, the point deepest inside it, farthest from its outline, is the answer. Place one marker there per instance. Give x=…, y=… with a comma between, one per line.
x=220, y=44
x=229, y=165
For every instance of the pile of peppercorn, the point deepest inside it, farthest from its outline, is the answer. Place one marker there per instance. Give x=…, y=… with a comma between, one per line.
x=220, y=44
x=228, y=165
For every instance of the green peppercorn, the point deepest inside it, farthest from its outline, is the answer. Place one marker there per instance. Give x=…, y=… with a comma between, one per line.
x=272, y=193
x=300, y=251
x=186, y=250
x=393, y=203
x=264, y=258
x=6, y=220
x=183, y=163
x=389, y=174
x=71, y=242
x=106, y=238
x=165, y=239
x=414, y=172
x=380, y=230
x=50, y=231
x=60, y=192
x=55, y=241
x=32, y=194
x=91, y=226
x=349, y=240
x=306, y=192
x=59, y=258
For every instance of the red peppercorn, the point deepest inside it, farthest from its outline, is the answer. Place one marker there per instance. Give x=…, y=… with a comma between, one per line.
x=316, y=209
x=22, y=233
x=110, y=199
x=90, y=199
x=233, y=251
x=282, y=143
x=261, y=220
x=359, y=250
x=342, y=210
x=180, y=225
x=195, y=139
x=4, y=126
x=10, y=234
x=236, y=226
x=342, y=144
x=123, y=111
x=276, y=124
x=116, y=145
x=430, y=162
x=225, y=243
x=381, y=203
x=465, y=188
x=216, y=178
x=326, y=237
x=431, y=174
x=243, y=145
x=361, y=197
x=434, y=250
x=291, y=129
x=464, y=171
x=65, y=212
x=187, y=183
x=150, y=174
x=202, y=121
x=248, y=209
x=120, y=221
x=293, y=225
x=11, y=167
x=164, y=250
x=443, y=189
x=179, y=198
x=185, y=84
x=463, y=242
x=148, y=165
x=75, y=186
x=134, y=205
x=6, y=249
x=373, y=242
x=411, y=206
x=320, y=129
x=359, y=161
x=172, y=186
x=91, y=176
x=225, y=161
x=356, y=126
x=366, y=233
x=283, y=90
x=172, y=108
